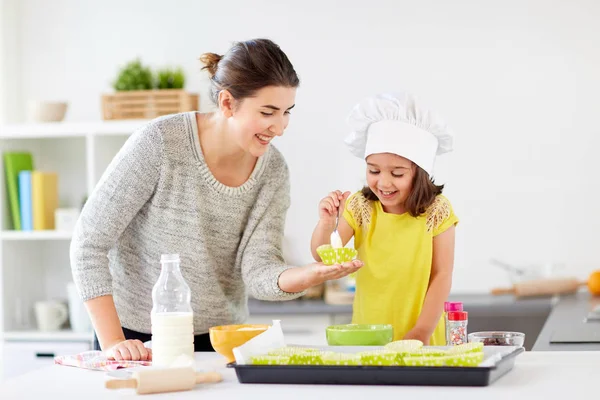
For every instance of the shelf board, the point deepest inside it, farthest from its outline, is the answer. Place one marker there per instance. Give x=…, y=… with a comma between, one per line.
x=36, y=235
x=39, y=336
x=69, y=129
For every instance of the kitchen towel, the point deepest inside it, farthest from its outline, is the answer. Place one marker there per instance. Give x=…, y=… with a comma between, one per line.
x=96, y=360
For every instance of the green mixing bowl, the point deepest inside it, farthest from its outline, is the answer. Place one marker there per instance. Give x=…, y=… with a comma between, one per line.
x=359, y=335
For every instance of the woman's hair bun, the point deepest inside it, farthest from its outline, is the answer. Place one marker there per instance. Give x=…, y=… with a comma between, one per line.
x=210, y=61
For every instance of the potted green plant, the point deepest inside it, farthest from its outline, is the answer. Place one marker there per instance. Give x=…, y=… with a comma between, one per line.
x=134, y=76
x=170, y=78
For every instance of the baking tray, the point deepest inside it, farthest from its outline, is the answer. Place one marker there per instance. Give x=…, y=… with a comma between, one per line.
x=498, y=361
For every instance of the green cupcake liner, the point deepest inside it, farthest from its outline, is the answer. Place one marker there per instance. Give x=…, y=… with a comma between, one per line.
x=289, y=350
x=331, y=256
x=331, y=358
x=299, y=355
x=464, y=359
x=423, y=361
x=426, y=352
x=270, y=360
x=404, y=346
x=378, y=358
x=408, y=353
x=466, y=348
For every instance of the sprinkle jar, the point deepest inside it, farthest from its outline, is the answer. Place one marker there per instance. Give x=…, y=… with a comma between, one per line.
x=457, y=328
x=450, y=306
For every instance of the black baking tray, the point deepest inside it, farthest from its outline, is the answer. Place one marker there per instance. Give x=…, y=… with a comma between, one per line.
x=370, y=375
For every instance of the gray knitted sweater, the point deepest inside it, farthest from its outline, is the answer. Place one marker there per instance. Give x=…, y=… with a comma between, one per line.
x=159, y=196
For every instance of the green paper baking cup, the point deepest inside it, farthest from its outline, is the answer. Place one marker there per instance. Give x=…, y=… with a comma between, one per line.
x=464, y=359
x=426, y=361
x=474, y=347
x=427, y=352
x=270, y=360
x=331, y=256
x=299, y=355
x=378, y=358
x=404, y=346
x=331, y=358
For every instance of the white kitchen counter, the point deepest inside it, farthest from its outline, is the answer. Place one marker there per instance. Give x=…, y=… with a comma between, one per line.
x=536, y=375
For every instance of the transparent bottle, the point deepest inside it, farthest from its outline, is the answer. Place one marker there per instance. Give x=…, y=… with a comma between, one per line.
x=172, y=316
x=457, y=327
x=450, y=306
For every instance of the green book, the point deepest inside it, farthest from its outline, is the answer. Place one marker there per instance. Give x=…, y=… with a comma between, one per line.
x=15, y=162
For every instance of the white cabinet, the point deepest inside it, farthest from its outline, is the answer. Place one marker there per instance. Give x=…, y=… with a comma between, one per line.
x=35, y=265
x=20, y=357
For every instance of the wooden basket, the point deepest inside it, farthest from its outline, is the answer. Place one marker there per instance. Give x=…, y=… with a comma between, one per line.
x=147, y=104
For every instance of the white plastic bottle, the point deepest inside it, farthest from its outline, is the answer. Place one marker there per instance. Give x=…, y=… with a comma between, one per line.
x=172, y=315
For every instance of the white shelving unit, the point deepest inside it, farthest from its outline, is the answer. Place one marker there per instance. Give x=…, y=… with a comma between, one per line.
x=68, y=129
x=35, y=266
x=36, y=235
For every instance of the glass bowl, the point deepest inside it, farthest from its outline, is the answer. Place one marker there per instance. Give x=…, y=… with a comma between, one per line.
x=497, y=338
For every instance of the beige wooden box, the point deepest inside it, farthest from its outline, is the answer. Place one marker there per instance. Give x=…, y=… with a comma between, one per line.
x=147, y=104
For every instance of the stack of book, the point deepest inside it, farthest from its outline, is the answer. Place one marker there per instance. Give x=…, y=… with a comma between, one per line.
x=32, y=194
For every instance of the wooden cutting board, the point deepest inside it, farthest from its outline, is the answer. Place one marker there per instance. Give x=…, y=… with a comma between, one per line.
x=542, y=287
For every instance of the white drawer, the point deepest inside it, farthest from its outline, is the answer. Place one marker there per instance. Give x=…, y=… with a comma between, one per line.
x=21, y=357
x=43, y=349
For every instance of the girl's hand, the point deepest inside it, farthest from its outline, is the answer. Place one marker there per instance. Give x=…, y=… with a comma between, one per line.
x=133, y=350
x=418, y=334
x=324, y=272
x=328, y=207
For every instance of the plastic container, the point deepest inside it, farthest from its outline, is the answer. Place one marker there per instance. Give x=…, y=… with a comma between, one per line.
x=172, y=315
x=457, y=327
x=451, y=306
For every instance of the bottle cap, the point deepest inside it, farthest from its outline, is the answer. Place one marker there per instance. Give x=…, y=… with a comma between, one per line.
x=169, y=258
x=453, y=306
x=457, y=316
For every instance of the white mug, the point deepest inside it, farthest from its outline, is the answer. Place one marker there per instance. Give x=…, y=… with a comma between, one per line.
x=65, y=219
x=50, y=315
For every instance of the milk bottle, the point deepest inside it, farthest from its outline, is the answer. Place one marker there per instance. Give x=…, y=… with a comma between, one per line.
x=172, y=316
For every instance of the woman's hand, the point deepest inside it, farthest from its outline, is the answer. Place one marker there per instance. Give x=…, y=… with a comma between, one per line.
x=323, y=273
x=328, y=206
x=418, y=334
x=133, y=350
x=298, y=279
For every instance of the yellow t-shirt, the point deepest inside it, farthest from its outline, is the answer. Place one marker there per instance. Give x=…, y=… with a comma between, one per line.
x=397, y=252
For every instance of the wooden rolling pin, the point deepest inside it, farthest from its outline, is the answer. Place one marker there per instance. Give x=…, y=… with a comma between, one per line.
x=164, y=380
x=542, y=287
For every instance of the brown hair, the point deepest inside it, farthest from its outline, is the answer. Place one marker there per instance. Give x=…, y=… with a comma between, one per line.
x=248, y=67
x=422, y=195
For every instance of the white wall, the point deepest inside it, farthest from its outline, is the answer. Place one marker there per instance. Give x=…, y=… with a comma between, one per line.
x=10, y=83
x=2, y=58
x=518, y=80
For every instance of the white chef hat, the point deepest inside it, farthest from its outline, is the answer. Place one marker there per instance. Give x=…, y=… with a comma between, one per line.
x=396, y=123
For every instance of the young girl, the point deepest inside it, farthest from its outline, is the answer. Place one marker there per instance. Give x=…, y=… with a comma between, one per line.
x=403, y=227
x=208, y=186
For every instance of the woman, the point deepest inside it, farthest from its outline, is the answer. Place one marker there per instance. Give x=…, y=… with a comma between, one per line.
x=208, y=187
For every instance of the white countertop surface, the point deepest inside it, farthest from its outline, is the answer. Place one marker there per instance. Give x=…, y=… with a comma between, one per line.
x=536, y=375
